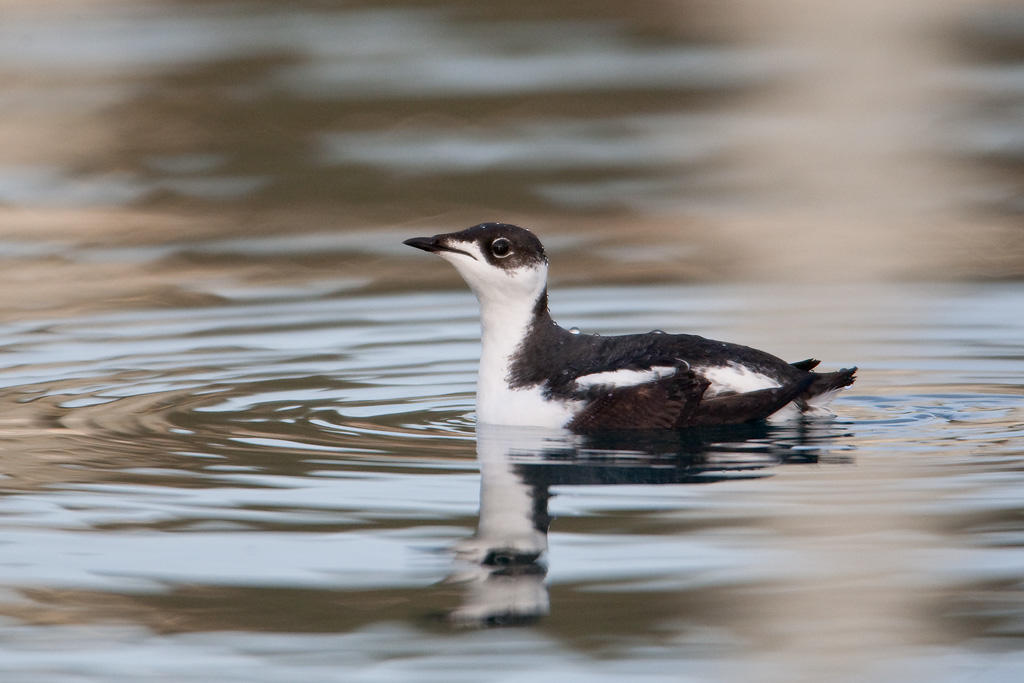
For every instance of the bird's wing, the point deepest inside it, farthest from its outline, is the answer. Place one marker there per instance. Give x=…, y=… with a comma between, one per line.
x=745, y=407
x=659, y=404
x=677, y=401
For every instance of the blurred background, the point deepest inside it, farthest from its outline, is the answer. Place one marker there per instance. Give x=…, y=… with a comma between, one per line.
x=160, y=152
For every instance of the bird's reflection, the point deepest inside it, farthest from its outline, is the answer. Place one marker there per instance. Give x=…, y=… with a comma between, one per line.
x=502, y=567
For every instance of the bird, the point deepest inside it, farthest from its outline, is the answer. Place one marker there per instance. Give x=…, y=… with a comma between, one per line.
x=534, y=372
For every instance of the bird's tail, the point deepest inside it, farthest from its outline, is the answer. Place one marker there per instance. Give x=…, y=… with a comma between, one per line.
x=829, y=381
x=825, y=386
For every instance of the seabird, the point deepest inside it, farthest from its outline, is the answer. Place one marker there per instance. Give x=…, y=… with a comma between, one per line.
x=534, y=372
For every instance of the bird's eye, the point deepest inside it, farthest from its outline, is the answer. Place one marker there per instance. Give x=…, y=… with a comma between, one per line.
x=501, y=247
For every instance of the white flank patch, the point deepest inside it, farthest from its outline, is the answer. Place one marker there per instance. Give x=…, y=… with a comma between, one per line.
x=816, y=406
x=624, y=378
x=824, y=398
x=734, y=378
x=788, y=412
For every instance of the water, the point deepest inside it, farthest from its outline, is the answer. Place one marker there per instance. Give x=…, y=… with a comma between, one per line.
x=288, y=486
x=237, y=439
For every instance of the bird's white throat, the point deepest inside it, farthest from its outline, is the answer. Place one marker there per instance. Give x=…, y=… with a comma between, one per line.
x=508, y=301
x=505, y=322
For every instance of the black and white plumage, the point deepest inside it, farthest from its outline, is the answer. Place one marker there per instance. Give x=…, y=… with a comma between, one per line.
x=533, y=372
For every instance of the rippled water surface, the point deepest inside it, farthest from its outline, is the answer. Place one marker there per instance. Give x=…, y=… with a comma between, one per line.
x=287, y=486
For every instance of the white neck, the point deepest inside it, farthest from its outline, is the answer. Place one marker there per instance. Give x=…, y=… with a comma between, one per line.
x=508, y=301
x=504, y=329
x=504, y=325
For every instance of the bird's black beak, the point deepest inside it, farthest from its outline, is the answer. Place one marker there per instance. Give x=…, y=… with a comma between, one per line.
x=424, y=243
x=434, y=244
